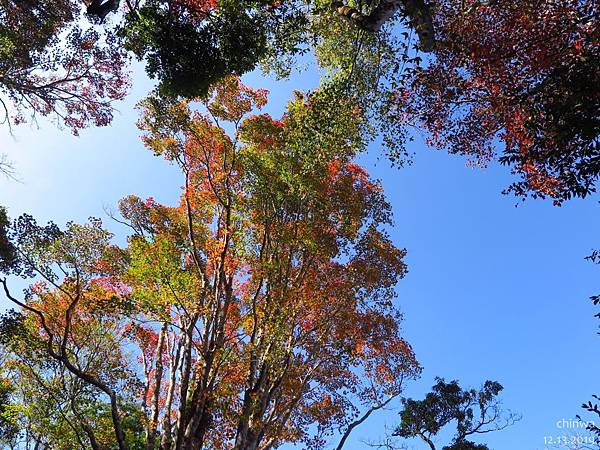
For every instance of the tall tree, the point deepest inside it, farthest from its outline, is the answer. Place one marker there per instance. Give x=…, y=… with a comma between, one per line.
x=473, y=411
x=258, y=311
x=516, y=81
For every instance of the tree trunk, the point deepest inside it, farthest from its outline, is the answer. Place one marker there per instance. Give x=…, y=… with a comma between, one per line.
x=417, y=11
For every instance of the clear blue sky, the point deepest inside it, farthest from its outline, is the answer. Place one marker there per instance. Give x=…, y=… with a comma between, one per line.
x=493, y=291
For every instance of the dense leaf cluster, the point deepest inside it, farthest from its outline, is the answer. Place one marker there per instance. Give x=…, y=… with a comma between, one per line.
x=473, y=412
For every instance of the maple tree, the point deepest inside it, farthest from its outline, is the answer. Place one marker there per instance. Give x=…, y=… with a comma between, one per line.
x=257, y=311
x=517, y=81
x=52, y=64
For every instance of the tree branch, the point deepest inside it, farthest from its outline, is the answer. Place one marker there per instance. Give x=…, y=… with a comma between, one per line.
x=364, y=417
x=417, y=11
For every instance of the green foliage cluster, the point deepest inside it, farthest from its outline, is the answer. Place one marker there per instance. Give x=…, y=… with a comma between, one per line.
x=7, y=250
x=473, y=411
x=188, y=57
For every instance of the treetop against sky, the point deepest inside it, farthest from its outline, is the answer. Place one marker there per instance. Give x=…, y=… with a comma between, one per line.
x=255, y=290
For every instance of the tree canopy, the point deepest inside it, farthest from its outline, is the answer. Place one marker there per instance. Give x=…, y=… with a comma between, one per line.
x=520, y=82
x=512, y=81
x=53, y=64
x=258, y=311
x=473, y=411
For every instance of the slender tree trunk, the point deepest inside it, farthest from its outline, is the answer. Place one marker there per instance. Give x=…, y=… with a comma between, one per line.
x=153, y=426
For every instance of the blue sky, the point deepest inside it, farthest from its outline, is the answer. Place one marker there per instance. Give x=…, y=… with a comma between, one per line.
x=494, y=291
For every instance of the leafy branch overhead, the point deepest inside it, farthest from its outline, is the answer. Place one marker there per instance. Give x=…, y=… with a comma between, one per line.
x=418, y=12
x=68, y=58
x=474, y=412
x=514, y=82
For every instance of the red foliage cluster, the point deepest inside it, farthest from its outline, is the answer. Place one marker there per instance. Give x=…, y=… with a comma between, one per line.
x=53, y=65
x=523, y=73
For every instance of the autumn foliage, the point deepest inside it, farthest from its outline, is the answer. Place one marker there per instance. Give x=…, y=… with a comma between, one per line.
x=519, y=81
x=257, y=311
x=52, y=63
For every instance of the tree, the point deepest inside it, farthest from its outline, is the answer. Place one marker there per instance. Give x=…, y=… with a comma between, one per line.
x=475, y=412
x=258, y=311
x=512, y=81
x=52, y=64
x=523, y=74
